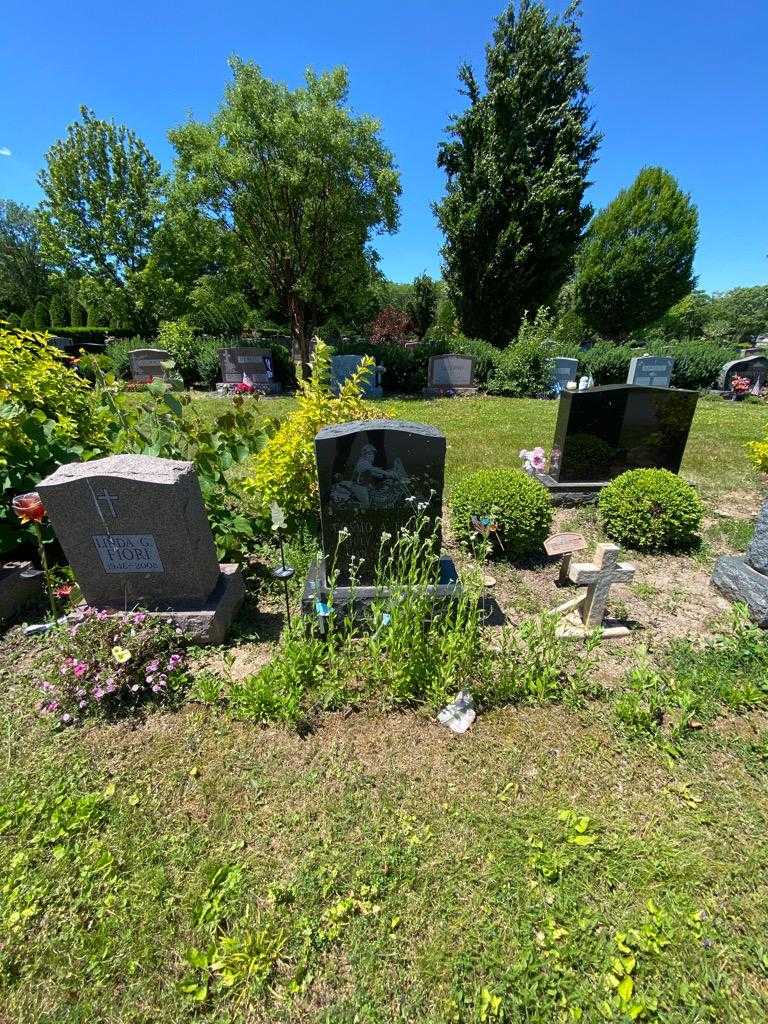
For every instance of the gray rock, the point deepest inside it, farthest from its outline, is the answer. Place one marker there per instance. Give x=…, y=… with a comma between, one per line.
x=134, y=530
x=757, y=552
x=740, y=582
x=147, y=363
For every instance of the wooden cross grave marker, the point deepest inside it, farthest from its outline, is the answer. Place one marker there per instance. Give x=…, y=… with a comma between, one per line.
x=587, y=611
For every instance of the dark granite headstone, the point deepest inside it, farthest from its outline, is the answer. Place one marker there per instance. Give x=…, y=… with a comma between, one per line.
x=375, y=476
x=602, y=432
x=147, y=363
x=651, y=371
x=253, y=363
x=450, y=374
x=754, y=368
x=20, y=583
x=746, y=579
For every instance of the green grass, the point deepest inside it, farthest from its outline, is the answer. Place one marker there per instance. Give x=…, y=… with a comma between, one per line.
x=603, y=861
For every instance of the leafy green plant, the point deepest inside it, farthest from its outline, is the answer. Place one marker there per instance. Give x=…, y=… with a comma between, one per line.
x=515, y=502
x=284, y=471
x=651, y=510
x=48, y=417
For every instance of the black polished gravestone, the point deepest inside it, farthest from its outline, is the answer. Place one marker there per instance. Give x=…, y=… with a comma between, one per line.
x=607, y=430
x=375, y=477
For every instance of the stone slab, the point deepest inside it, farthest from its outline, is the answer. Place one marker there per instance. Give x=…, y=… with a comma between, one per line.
x=754, y=368
x=757, y=552
x=20, y=583
x=147, y=363
x=651, y=371
x=738, y=581
x=450, y=373
x=571, y=494
x=342, y=368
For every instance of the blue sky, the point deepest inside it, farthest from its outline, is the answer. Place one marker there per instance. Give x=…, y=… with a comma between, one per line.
x=681, y=83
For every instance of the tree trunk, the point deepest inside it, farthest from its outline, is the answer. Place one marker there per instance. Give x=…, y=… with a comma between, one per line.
x=299, y=334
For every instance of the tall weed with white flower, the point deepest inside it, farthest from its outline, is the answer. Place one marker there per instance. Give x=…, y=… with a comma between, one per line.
x=105, y=664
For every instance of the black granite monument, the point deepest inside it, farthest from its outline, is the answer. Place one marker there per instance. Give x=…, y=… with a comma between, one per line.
x=375, y=477
x=607, y=430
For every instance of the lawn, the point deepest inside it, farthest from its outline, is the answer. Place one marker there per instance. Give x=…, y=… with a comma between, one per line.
x=569, y=859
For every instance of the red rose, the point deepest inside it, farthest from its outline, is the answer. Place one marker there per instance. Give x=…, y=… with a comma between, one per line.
x=64, y=590
x=28, y=507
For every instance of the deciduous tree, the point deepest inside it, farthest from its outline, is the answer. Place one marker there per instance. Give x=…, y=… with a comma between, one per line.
x=301, y=184
x=23, y=271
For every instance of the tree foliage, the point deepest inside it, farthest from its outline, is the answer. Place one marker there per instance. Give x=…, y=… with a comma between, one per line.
x=637, y=258
x=299, y=182
x=23, y=271
x=517, y=166
x=422, y=305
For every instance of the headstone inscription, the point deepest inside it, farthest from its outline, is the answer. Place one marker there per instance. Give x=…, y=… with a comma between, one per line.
x=134, y=530
x=602, y=432
x=342, y=368
x=450, y=374
x=255, y=364
x=374, y=477
x=564, y=372
x=650, y=371
x=147, y=363
x=754, y=368
x=746, y=578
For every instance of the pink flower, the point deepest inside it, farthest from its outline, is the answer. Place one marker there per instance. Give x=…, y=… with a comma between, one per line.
x=80, y=669
x=138, y=618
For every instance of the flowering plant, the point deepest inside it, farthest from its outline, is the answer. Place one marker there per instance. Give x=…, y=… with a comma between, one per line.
x=244, y=388
x=106, y=663
x=534, y=460
x=29, y=509
x=740, y=385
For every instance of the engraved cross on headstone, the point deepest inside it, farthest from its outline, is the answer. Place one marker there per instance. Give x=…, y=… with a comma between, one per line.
x=107, y=499
x=598, y=577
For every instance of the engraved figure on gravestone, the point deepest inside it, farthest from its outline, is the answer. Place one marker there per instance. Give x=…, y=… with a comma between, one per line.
x=371, y=486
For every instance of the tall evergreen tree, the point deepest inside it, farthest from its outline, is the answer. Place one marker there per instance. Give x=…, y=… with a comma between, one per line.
x=422, y=305
x=637, y=258
x=42, y=316
x=517, y=167
x=59, y=311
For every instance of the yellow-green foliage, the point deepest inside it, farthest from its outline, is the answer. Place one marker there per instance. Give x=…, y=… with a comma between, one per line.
x=758, y=453
x=284, y=470
x=47, y=417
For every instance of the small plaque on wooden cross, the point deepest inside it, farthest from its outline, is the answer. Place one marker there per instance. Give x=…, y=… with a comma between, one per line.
x=564, y=543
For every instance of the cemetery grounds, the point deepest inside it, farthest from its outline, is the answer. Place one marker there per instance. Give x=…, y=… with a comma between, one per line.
x=594, y=851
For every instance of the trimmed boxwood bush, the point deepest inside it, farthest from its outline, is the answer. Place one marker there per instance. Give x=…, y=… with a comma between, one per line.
x=515, y=501
x=651, y=510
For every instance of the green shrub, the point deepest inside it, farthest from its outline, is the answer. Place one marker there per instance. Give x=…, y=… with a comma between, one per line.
x=47, y=417
x=59, y=311
x=28, y=320
x=697, y=363
x=77, y=314
x=651, y=510
x=517, y=503
x=42, y=317
x=179, y=338
x=607, y=363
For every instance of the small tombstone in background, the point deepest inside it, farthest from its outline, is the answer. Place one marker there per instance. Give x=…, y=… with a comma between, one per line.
x=147, y=363
x=651, y=371
x=745, y=578
x=20, y=583
x=565, y=544
x=342, y=368
x=754, y=368
x=450, y=374
x=587, y=611
x=134, y=530
x=253, y=366
x=564, y=372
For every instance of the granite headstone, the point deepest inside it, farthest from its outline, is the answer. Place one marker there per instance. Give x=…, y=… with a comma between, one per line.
x=754, y=368
x=147, y=363
x=602, y=432
x=651, y=371
x=253, y=363
x=134, y=530
x=20, y=583
x=746, y=578
x=375, y=476
x=342, y=368
x=450, y=374
x=564, y=372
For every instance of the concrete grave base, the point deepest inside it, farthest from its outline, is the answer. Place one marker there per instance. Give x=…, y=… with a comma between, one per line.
x=571, y=493
x=447, y=392
x=734, y=577
x=210, y=623
x=357, y=600
x=20, y=583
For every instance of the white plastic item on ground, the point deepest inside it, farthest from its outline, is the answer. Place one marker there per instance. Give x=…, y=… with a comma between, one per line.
x=460, y=714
